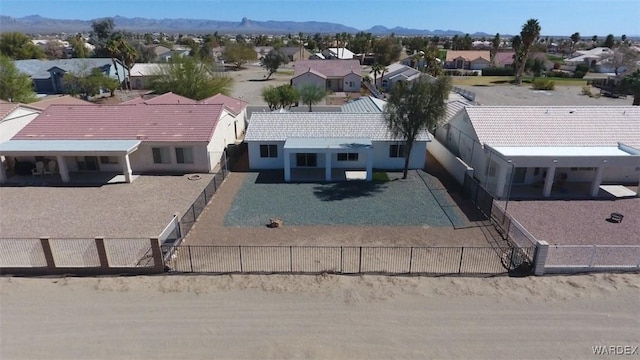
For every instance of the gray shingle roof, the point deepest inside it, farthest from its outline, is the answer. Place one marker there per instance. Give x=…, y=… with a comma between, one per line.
x=275, y=126
x=365, y=104
x=556, y=125
x=38, y=69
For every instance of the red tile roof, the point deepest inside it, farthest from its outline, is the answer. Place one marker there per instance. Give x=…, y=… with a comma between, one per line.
x=329, y=68
x=179, y=123
x=59, y=100
x=7, y=108
x=232, y=104
x=164, y=99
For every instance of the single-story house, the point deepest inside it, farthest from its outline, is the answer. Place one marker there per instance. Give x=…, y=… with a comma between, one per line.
x=546, y=147
x=47, y=75
x=166, y=56
x=338, y=53
x=504, y=59
x=47, y=101
x=328, y=146
x=296, y=53
x=597, y=59
x=467, y=59
x=395, y=72
x=334, y=75
x=165, y=134
x=143, y=74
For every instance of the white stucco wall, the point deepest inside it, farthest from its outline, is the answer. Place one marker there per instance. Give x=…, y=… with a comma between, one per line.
x=15, y=121
x=257, y=163
x=223, y=135
x=352, y=82
x=381, y=159
x=142, y=159
x=308, y=79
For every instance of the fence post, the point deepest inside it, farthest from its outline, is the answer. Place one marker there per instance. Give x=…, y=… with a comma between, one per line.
x=341, y=260
x=360, y=261
x=240, y=252
x=156, y=252
x=102, y=253
x=193, y=211
x=205, y=196
x=290, y=258
x=215, y=186
x=410, y=259
x=540, y=258
x=460, y=265
x=48, y=254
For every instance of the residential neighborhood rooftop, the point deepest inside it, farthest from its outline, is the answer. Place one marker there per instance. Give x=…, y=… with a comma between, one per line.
x=468, y=55
x=39, y=69
x=364, y=104
x=556, y=126
x=232, y=104
x=182, y=123
x=280, y=126
x=328, y=68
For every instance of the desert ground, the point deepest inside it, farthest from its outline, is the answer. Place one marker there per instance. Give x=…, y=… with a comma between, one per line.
x=318, y=317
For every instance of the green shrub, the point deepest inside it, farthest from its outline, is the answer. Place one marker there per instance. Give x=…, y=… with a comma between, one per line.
x=498, y=71
x=543, y=84
x=581, y=71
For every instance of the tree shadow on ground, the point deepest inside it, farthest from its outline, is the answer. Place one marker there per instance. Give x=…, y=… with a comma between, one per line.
x=347, y=190
x=260, y=80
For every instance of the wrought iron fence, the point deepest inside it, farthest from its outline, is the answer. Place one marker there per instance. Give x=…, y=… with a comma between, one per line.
x=478, y=195
x=510, y=228
x=350, y=260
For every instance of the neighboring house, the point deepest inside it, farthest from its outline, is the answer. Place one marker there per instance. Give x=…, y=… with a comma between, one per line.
x=261, y=51
x=166, y=134
x=364, y=104
x=66, y=49
x=394, y=73
x=47, y=75
x=467, y=59
x=143, y=74
x=592, y=58
x=166, y=56
x=327, y=146
x=58, y=100
x=333, y=75
x=504, y=59
x=338, y=53
x=14, y=117
x=546, y=148
x=296, y=53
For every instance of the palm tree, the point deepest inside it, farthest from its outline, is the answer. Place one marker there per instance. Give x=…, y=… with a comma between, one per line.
x=311, y=94
x=112, y=48
x=377, y=68
x=529, y=34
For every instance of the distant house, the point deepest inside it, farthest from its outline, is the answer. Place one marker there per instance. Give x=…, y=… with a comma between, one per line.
x=166, y=134
x=327, y=146
x=467, y=59
x=394, y=73
x=47, y=75
x=334, y=75
x=545, y=150
x=295, y=53
x=58, y=100
x=504, y=59
x=166, y=56
x=338, y=53
x=594, y=59
x=143, y=74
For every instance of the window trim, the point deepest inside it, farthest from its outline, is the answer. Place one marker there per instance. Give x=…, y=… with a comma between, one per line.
x=159, y=151
x=348, y=156
x=399, y=151
x=186, y=155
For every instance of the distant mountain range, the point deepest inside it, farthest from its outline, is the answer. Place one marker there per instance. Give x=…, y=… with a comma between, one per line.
x=36, y=24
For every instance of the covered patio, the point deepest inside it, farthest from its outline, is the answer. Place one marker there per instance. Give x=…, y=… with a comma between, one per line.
x=56, y=160
x=562, y=172
x=313, y=159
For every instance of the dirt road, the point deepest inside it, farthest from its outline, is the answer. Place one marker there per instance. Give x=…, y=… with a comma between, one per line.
x=317, y=317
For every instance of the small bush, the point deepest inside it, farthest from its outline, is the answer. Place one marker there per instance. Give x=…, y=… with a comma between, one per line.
x=498, y=71
x=558, y=74
x=543, y=84
x=586, y=90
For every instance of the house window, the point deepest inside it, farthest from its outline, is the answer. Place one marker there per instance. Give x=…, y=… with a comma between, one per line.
x=184, y=155
x=108, y=159
x=347, y=156
x=306, y=160
x=160, y=155
x=268, y=151
x=396, y=151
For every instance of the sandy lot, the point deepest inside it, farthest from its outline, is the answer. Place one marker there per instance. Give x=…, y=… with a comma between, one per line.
x=317, y=317
x=524, y=95
x=249, y=82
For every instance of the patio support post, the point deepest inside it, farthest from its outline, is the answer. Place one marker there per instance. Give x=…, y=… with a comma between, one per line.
x=595, y=185
x=370, y=164
x=3, y=172
x=126, y=168
x=502, y=180
x=287, y=166
x=62, y=167
x=548, y=181
x=327, y=166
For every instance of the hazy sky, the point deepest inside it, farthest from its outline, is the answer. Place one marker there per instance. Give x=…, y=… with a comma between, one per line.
x=556, y=17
